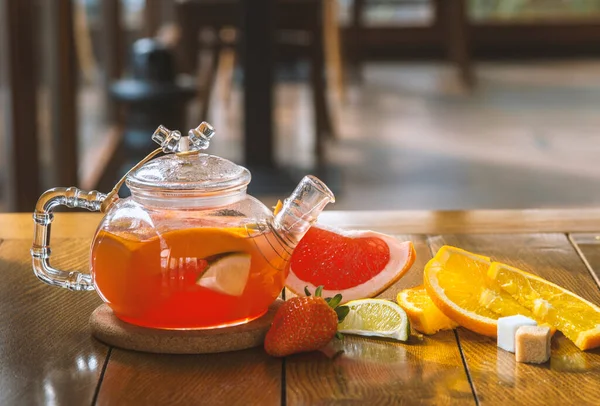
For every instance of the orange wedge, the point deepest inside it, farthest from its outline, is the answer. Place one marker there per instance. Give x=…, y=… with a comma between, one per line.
x=575, y=317
x=277, y=208
x=424, y=316
x=457, y=283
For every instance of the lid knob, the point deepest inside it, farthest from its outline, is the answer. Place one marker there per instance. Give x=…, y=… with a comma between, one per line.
x=167, y=139
x=200, y=136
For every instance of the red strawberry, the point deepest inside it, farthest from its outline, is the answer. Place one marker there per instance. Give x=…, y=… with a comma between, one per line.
x=304, y=324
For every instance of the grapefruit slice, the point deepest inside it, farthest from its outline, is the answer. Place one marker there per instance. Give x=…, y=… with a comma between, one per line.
x=357, y=264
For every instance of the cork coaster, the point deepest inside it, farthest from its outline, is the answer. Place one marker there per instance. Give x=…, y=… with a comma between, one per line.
x=107, y=328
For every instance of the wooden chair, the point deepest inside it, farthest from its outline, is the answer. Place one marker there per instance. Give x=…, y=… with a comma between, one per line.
x=451, y=22
x=21, y=168
x=305, y=16
x=334, y=58
x=24, y=174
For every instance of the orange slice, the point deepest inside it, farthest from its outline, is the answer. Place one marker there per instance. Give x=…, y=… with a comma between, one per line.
x=575, y=317
x=277, y=208
x=424, y=316
x=457, y=282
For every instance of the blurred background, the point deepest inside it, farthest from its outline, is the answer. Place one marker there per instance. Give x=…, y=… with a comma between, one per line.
x=396, y=104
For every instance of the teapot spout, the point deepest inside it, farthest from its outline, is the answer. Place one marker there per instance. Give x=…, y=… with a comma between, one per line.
x=301, y=209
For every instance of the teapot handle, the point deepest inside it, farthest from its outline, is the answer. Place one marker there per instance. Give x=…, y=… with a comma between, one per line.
x=42, y=217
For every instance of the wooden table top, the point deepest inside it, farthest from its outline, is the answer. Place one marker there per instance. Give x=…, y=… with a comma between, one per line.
x=48, y=356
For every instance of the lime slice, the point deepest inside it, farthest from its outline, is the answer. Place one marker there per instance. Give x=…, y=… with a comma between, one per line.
x=376, y=317
x=228, y=274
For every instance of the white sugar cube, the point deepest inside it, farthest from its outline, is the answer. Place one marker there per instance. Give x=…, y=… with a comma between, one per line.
x=507, y=328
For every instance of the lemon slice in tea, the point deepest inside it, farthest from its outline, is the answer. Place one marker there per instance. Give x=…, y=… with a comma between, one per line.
x=228, y=274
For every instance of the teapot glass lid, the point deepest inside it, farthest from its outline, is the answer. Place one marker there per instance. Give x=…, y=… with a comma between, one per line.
x=184, y=170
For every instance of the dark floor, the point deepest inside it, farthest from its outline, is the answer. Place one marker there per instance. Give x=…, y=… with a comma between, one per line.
x=411, y=138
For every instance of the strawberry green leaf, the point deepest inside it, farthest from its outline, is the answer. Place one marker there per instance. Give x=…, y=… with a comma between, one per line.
x=319, y=291
x=334, y=301
x=339, y=335
x=342, y=312
x=306, y=291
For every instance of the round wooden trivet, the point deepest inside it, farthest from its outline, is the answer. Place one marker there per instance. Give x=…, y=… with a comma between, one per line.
x=108, y=328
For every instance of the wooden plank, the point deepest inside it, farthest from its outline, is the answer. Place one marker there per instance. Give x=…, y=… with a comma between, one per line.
x=414, y=276
x=496, y=377
x=588, y=247
x=382, y=371
x=408, y=222
x=463, y=222
x=65, y=225
x=47, y=355
x=240, y=377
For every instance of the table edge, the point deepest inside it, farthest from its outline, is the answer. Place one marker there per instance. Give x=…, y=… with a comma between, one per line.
x=585, y=220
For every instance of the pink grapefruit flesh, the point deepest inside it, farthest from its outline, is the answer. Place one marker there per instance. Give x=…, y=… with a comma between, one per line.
x=357, y=264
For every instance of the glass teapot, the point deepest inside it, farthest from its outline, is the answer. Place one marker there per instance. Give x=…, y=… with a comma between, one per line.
x=189, y=249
